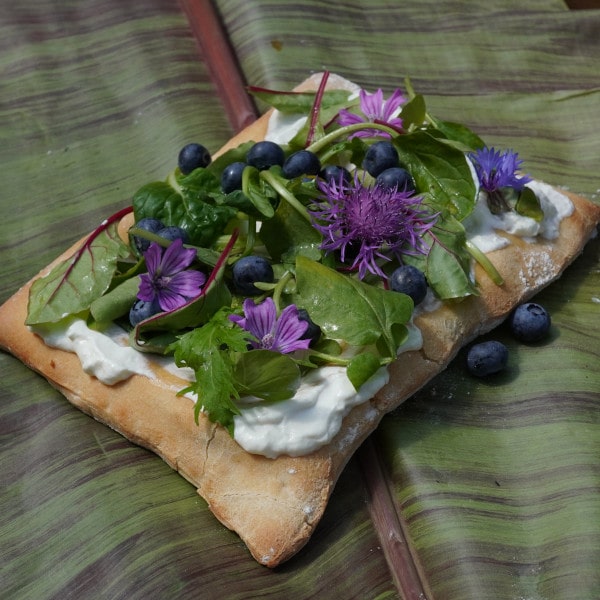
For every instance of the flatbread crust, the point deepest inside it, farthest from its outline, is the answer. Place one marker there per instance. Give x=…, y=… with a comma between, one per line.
x=275, y=504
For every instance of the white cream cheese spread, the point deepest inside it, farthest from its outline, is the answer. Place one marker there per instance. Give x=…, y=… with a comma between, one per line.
x=313, y=417
x=482, y=225
x=105, y=354
x=307, y=421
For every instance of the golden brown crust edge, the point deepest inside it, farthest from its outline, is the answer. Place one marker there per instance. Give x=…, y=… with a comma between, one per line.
x=274, y=505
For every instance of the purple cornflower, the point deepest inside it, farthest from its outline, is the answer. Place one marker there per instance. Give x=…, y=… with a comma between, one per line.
x=366, y=224
x=496, y=171
x=278, y=334
x=375, y=110
x=167, y=279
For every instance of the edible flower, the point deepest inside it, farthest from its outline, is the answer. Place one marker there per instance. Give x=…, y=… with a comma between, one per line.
x=375, y=110
x=168, y=280
x=370, y=223
x=281, y=334
x=496, y=171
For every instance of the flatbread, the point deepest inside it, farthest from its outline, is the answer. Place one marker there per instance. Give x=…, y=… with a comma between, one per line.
x=275, y=504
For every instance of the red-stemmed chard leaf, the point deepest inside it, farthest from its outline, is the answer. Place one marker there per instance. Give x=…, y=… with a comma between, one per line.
x=316, y=108
x=72, y=285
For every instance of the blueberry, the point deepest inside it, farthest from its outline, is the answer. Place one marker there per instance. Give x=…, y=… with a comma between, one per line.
x=487, y=358
x=231, y=178
x=172, y=233
x=147, y=224
x=142, y=310
x=396, y=178
x=530, y=322
x=301, y=163
x=410, y=281
x=192, y=157
x=379, y=157
x=335, y=173
x=313, y=332
x=264, y=155
x=248, y=270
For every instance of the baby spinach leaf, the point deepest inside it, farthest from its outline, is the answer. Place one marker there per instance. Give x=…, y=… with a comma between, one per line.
x=414, y=112
x=448, y=268
x=349, y=309
x=458, y=132
x=440, y=171
x=287, y=233
x=75, y=283
x=190, y=210
x=268, y=375
x=528, y=205
x=362, y=367
x=261, y=195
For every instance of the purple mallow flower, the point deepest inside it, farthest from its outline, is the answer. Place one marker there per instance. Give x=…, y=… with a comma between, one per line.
x=168, y=279
x=281, y=334
x=369, y=223
x=374, y=110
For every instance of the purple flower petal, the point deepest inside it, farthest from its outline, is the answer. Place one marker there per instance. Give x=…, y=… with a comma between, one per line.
x=372, y=105
x=153, y=256
x=169, y=300
x=290, y=328
x=187, y=283
x=394, y=102
x=176, y=258
x=374, y=109
x=345, y=117
x=260, y=318
x=497, y=169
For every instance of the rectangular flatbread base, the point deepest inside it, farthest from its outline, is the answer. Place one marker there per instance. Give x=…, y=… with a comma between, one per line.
x=275, y=504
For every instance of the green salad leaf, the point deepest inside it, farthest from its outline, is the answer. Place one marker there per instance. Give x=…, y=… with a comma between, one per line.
x=301, y=102
x=349, y=309
x=191, y=208
x=287, y=234
x=72, y=286
x=362, y=367
x=440, y=171
x=528, y=205
x=268, y=375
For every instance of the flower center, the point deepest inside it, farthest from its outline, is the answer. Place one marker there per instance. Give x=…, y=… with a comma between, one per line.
x=372, y=218
x=266, y=342
x=162, y=282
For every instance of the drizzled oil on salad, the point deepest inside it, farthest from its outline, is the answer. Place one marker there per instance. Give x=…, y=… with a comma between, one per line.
x=272, y=260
